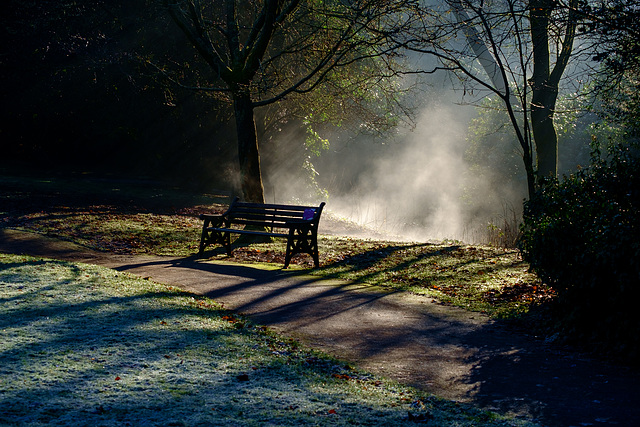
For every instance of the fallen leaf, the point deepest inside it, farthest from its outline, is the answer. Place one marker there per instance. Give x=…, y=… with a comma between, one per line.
x=341, y=376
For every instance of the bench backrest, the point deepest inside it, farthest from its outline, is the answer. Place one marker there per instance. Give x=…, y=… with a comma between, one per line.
x=271, y=215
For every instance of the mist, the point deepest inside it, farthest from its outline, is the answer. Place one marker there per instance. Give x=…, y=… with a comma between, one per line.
x=413, y=186
x=417, y=183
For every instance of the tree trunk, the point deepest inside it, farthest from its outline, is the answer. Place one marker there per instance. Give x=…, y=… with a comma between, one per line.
x=248, y=153
x=544, y=132
x=544, y=83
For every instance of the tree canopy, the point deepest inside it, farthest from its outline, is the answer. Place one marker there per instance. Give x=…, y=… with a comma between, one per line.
x=262, y=52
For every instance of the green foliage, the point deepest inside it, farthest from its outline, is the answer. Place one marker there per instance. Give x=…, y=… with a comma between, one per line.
x=618, y=107
x=493, y=150
x=581, y=236
x=616, y=26
x=314, y=142
x=314, y=145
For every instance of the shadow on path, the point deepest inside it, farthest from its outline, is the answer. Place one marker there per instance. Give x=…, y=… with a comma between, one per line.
x=446, y=351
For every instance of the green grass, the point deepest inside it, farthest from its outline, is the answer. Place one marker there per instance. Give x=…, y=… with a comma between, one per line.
x=117, y=232
x=85, y=345
x=479, y=278
x=491, y=280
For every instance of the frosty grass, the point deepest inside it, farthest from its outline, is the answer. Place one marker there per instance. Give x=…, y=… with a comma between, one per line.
x=85, y=345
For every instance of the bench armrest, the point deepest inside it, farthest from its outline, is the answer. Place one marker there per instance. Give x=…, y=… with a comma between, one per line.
x=311, y=217
x=210, y=217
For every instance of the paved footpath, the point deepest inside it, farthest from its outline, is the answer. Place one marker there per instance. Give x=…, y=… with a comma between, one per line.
x=446, y=351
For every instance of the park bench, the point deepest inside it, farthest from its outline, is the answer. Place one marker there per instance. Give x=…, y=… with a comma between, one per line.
x=298, y=224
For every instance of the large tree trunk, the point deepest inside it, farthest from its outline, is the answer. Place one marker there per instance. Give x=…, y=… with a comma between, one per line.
x=545, y=81
x=543, y=91
x=544, y=132
x=248, y=153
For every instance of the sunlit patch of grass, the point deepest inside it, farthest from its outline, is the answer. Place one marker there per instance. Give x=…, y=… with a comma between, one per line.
x=84, y=345
x=479, y=278
x=491, y=280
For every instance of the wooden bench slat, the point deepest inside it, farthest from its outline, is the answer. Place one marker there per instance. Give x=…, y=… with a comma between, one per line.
x=271, y=206
x=267, y=224
x=263, y=214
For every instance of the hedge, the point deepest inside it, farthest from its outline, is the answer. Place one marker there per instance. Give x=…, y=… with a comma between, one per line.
x=582, y=237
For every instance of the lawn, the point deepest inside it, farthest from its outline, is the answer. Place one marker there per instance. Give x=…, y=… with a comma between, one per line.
x=85, y=345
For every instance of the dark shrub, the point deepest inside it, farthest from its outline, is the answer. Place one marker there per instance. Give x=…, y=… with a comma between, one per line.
x=582, y=237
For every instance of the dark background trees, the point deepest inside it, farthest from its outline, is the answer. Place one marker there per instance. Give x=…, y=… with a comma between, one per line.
x=581, y=232
x=93, y=87
x=76, y=95
x=614, y=25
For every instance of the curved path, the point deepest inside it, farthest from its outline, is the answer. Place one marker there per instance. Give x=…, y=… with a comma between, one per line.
x=446, y=351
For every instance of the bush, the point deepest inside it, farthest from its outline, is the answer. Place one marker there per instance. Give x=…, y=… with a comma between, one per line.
x=581, y=236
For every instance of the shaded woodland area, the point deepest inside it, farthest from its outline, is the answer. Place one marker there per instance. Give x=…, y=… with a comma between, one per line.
x=78, y=95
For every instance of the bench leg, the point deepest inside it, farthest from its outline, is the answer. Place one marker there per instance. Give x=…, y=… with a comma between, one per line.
x=204, y=237
x=226, y=241
x=205, y=240
x=210, y=237
x=302, y=240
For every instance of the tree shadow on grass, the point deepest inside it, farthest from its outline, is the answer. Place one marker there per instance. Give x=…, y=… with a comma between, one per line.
x=451, y=352
x=76, y=352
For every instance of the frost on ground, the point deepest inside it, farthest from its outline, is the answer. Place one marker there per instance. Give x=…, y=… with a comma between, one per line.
x=85, y=345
